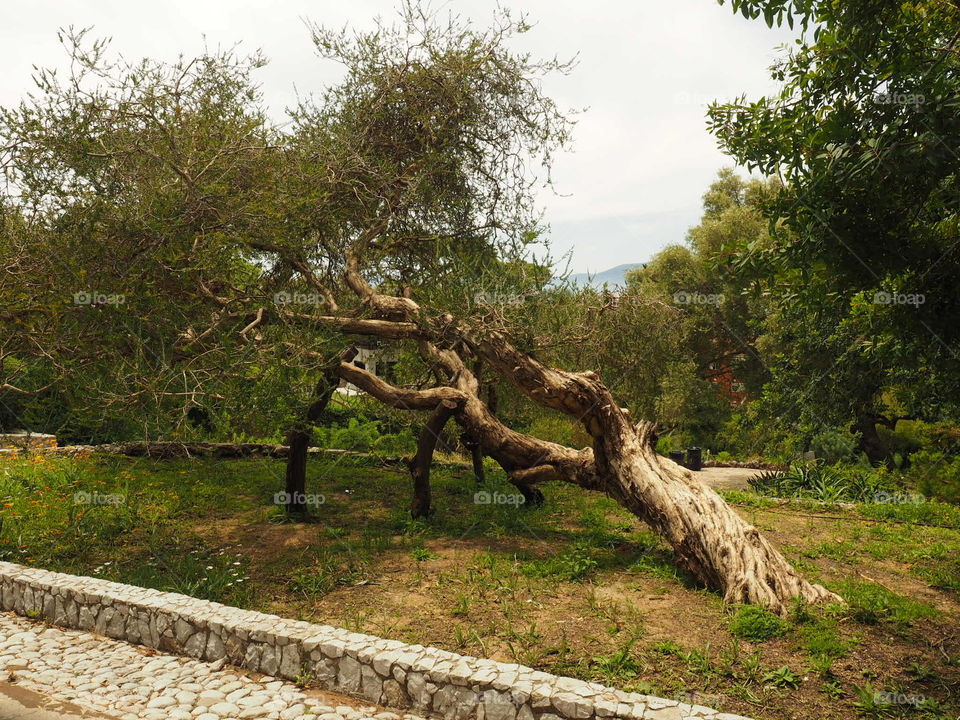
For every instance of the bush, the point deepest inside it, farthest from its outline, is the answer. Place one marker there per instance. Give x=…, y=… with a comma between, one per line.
x=552, y=428
x=936, y=475
x=401, y=443
x=677, y=440
x=835, y=445
x=906, y=439
x=750, y=433
x=357, y=435
x=756, y=624
x=944, y=437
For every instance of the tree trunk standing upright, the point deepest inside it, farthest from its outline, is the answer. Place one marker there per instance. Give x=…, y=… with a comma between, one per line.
x=298, y=441
x=296, y=477
x=871, y=444
x=420, y=463
x=476, y=458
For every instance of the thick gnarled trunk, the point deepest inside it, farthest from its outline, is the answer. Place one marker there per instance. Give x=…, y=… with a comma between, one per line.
x=710, y=540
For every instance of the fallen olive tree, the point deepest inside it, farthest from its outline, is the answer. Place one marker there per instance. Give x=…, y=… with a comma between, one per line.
x=710, y=540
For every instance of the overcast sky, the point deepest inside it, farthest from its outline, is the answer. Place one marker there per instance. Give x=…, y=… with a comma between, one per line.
x=647, y=69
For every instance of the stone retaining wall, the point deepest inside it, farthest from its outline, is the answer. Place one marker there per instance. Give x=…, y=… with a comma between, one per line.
x=425, y=680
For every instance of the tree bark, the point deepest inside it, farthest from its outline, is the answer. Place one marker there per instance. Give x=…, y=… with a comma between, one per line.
x=711, y=542
x=476, y=458
x=871, y=443
x=295, y=486
x=420, y=463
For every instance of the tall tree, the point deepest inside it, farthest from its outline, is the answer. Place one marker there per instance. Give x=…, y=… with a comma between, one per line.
x=865, y=135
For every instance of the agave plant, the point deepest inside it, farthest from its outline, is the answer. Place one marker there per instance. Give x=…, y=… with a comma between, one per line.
x=818, y=481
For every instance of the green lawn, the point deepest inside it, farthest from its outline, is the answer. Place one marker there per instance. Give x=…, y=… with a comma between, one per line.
x=577, y=587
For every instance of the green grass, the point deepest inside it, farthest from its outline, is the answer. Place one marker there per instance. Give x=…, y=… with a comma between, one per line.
x=822, y=640
x=931, y=512
x=756, y=624
x=872, y=604
x=576, y=587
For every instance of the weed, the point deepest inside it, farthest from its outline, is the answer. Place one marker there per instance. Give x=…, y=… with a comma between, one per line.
x=871, y=604
x=666, y=647
x=752, y=666
x=462, y=606
x=619, y=664
x=756, y=624
x=421, y=554
x=782, y=677
x=832, y=688
x=921, y=673
x=574, y=564
x=870, y=702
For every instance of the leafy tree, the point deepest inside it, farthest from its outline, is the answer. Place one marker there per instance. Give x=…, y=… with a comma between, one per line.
x=865, y=136
x=721, y=304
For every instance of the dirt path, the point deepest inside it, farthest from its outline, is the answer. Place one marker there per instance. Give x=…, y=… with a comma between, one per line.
x=724, y=478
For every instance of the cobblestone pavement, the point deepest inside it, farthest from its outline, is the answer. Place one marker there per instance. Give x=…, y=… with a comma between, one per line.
x=103, y=678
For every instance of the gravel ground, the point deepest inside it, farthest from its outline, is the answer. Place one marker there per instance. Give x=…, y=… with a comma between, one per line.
x=128, y=682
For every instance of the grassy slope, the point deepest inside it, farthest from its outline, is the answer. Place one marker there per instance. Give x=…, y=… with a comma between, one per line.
x=578, y=587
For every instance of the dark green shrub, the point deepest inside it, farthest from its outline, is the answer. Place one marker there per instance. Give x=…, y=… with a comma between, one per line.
x=835, y=445
x=944, y=437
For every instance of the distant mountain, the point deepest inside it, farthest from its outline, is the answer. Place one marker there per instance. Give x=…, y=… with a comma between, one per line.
x=614, y=276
